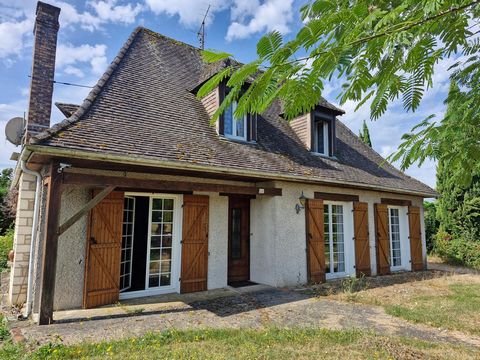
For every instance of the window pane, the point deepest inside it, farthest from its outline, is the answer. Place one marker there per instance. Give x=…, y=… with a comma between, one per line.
x=228, y=120
x=240, y=127
x=395, y=240
x=165, y=279
x=320, y=137
x=236, y=243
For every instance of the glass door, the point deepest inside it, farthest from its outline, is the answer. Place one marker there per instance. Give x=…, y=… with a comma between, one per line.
x=395, y=239
x=159, y=264
x=334, y=240
x=127, y=243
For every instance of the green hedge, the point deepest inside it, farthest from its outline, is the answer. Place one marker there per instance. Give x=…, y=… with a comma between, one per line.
x=6, y=244
x=458, y=251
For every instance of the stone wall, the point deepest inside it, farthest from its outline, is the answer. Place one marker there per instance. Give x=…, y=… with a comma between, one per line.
x=17, y=294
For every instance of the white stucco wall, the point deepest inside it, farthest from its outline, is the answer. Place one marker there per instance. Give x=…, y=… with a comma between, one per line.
x=262, y=240
x=71, y=251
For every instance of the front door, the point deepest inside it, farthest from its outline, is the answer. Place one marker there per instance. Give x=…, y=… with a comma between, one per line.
x=239, y=239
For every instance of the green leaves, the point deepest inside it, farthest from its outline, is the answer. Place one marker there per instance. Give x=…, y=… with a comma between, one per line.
x=212, y=83
x=269, y=44
x=211, y=56
x=381, y=51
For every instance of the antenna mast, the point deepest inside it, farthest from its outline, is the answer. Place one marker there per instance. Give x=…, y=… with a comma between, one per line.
x=201, y=31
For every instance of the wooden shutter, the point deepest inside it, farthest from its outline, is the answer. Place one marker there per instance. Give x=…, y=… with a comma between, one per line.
x=415, y=236
x=362, y=241
x=194, y=243
x=383, y=241
x=104, y=240
x=315, y=241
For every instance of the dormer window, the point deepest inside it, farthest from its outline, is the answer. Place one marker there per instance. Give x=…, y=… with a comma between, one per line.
x=322, y=134
x=235, y=128
x=321, y=138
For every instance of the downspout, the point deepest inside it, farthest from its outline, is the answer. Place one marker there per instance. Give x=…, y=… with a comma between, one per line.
x=36, y=207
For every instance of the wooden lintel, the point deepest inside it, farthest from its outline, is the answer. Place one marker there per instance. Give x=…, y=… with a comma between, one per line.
x=396, y=202
x=335, y=197
x=50, y=246
x=83, y=211
x=165, y=185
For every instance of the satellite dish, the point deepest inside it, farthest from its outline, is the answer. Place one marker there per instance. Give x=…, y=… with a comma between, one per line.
x=14, y=130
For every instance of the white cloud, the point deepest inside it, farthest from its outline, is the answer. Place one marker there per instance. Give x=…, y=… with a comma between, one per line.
x=72, y=70
x=109, y=11
x=268, y=16
x=69, y=55
x=14, y=37
x=190, y=12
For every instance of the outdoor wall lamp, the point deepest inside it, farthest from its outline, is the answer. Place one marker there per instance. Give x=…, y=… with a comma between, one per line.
x=302, y=200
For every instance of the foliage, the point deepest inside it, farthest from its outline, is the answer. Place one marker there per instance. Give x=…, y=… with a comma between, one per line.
x=364, y=134
x=457, y=250
x=6, y=219
x=6, y=244
x=431, y=223
x=382, y=51
x=352, y=284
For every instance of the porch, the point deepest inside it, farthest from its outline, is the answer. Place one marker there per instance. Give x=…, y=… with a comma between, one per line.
x=171, y=251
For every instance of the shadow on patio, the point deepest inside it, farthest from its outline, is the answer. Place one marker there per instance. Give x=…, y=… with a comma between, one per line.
x=228, y=301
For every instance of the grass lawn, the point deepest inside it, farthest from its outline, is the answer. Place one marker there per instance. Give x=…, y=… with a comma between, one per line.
x=449, y=302
x=248, y=344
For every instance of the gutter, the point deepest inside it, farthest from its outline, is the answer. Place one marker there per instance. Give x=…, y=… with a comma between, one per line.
x=136, y=160
x=36, y=207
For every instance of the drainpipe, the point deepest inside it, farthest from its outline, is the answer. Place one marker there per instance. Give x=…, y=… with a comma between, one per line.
x=36, y=207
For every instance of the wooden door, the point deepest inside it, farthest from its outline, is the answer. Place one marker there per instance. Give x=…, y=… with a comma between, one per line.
x=194, y=244
x=383, y=240
x=238, y=239
x=362, y=239
x=315, y=241
x=104, y=240
x=416, y=251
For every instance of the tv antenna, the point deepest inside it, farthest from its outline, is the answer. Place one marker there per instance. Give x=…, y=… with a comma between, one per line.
x=201, y=31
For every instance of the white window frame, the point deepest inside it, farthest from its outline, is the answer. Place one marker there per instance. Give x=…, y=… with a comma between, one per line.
x=131, y=247
x=174, y=287
x=404, y=240
x=348, y=243
x=326, y=137
x=234, y=120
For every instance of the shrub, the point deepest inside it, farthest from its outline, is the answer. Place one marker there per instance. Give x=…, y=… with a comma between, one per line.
x=6, y=244
x=458, y=250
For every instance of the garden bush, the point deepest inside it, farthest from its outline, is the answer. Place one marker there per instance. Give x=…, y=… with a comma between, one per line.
x=458, y=250
x=6, y=244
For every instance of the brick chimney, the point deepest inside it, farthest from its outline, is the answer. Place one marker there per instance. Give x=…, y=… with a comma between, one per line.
x=43, y=68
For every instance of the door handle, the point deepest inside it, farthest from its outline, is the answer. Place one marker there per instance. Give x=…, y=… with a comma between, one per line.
x=92, y=240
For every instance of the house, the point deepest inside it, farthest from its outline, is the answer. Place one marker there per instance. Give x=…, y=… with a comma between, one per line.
x=136, y=194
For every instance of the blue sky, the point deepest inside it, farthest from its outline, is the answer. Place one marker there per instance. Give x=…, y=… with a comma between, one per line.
x=92, y=32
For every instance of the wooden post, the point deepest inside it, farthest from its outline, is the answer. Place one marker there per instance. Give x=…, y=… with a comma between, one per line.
x=50, y=245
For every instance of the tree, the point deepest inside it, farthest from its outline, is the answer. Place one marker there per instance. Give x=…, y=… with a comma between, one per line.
x=365, y=134
x=6, y=219
x=381, y=51
x=431, y=223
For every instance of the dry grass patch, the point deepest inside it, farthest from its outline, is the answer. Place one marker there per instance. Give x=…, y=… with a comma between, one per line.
x=449, y=301
x=257, y=344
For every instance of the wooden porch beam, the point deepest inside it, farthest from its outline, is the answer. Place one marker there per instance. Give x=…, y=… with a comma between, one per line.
x=83, y=211
x=50, y=245
x=164, y=185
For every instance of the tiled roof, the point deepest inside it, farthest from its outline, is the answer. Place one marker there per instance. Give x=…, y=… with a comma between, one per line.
x=67, y=109
x=143, y=107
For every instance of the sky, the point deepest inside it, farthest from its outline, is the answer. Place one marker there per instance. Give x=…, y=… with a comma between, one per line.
x=92, y=32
